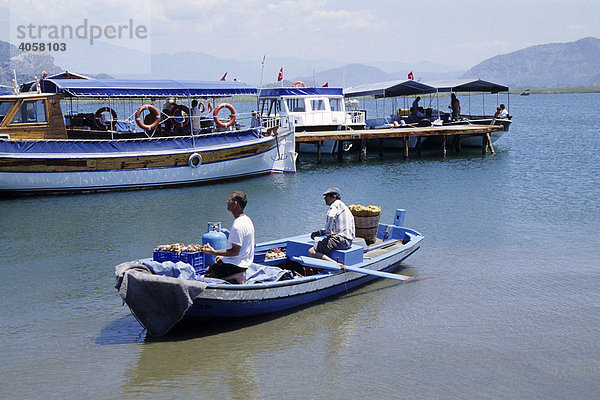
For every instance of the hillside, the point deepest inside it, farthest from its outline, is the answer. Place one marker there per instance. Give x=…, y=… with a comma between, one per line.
x=548, y=65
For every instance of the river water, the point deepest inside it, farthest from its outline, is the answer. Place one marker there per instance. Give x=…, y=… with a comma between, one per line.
x=512, y=312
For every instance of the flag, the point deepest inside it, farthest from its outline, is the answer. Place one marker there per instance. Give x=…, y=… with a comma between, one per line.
x=326, y=84
x=411, y=76
x=223, y=78
x=280, y=77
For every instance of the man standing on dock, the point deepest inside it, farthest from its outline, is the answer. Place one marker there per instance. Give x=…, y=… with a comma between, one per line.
x=339, y=227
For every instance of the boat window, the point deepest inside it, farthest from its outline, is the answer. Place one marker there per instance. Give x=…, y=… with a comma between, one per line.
x=335, y=104
x=317, y=105
x=4, y=106
x=31, y=111
x=296, y=105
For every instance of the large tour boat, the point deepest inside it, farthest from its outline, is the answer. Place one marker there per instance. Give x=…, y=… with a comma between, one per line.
x=82, y=134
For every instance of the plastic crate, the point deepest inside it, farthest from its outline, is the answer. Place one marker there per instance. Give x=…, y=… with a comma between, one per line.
x=195, y=259
x=163, y=255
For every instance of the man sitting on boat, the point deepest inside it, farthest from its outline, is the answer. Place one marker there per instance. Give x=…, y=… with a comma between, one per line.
x=231, y=264
x=339, y=227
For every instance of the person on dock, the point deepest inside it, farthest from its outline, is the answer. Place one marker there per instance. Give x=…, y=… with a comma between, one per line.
x=231, y=264
x=455, y=106
x=339, y=227
x=414, y=109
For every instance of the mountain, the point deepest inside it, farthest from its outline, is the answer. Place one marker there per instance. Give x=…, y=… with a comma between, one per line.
x=547, y=65
x=26, y=65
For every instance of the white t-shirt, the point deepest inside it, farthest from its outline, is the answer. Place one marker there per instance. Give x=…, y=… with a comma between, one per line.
x=195, y=119
x=503, y=114
x=242, y=234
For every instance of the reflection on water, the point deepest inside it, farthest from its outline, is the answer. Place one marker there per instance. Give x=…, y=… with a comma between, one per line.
x=229, y=357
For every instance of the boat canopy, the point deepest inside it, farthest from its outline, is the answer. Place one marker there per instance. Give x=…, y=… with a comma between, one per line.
x=468, y=86
x=389, y=89
x=300, y=91
x=145, y=88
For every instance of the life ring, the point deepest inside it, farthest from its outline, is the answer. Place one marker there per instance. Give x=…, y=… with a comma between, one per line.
x=98, y=118
x=195, y=160
x=232, y=115
x=209, y=107
x=183, y=109
x=201, y=107
x=298, y=83
x=152, y=109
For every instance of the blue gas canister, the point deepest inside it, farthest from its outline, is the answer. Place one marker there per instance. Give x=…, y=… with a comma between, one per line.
x=216, y=238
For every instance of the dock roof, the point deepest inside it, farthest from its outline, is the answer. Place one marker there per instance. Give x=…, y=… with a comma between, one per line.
x=468, y=85
x=389, y=89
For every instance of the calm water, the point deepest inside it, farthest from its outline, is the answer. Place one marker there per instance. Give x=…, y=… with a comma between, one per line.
x=513, y=312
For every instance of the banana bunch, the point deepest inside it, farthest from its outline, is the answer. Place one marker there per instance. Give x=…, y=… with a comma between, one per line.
x=362, y=211
x=179, y=247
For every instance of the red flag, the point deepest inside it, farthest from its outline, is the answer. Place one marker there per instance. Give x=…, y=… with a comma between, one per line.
x=411, y=76
x=326, y=84
x=223, y=78
x=280, y=77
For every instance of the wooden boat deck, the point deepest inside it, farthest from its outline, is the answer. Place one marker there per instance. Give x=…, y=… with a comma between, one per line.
x=402, y=133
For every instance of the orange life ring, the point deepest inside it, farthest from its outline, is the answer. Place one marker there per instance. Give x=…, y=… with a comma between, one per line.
x=183, y=109
x=152, y=109
x=231, y=116
x=298, y=83
x=201, y=107
x=98, y=118
x=209, y=107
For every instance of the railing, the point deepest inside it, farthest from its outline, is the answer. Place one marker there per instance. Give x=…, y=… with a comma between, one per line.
x=355, y=117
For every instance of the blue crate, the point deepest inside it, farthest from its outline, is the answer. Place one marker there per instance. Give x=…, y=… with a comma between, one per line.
x=195, y=259
x=164, y=255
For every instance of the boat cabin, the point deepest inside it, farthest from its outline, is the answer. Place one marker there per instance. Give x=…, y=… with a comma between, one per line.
x=307, y=109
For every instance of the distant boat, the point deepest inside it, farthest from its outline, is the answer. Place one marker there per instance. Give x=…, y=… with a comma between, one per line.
x=525, y=93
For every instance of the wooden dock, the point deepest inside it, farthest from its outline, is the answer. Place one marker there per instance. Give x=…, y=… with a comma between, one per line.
x=404, y=134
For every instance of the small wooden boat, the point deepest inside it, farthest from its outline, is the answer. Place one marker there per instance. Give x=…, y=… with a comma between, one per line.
x=159, y=302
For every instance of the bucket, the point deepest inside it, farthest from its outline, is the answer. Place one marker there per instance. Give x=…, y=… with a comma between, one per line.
x=366, y=227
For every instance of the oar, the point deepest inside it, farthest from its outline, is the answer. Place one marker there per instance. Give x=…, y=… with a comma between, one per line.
x=324, y=264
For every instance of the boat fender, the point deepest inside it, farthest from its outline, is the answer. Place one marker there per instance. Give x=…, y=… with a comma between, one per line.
x=195, y=160
x=232, y=115
x=98, y=118
x=138, y=115
x=209, y=106
x=299, y=83
x=185, y=113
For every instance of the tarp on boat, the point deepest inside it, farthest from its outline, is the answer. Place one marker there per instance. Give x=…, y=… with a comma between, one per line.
x=468, y=85
x=144, y=88
x=300, y=91
x=389, y=89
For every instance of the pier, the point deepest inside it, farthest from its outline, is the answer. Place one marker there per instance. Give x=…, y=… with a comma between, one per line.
x=404, y=134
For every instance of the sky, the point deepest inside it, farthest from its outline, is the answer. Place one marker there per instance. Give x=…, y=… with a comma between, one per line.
x=454, y=33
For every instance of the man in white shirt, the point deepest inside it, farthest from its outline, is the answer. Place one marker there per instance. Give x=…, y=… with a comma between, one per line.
x=239, y=253
x=195, y=114
x=339, y=227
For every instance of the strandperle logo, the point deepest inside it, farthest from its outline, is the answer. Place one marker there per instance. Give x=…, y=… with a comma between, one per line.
x=90, y=32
